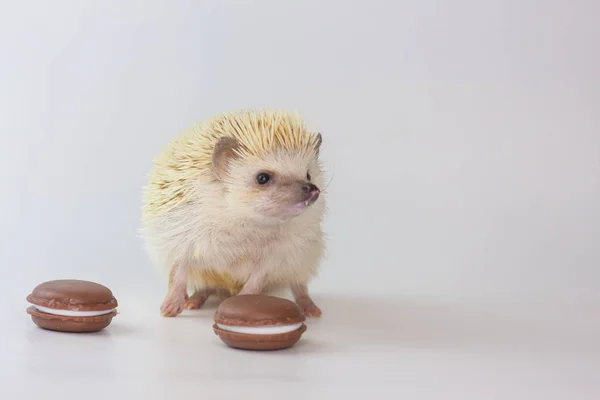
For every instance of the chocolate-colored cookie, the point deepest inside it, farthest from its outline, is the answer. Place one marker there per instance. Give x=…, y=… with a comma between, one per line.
x=71, y=305
x=259, y=322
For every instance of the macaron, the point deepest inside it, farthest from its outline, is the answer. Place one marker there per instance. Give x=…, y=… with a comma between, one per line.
x=71, y=305
x=259, y=322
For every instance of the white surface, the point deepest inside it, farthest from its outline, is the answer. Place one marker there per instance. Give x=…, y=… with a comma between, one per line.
x=361, y=348
x=69, y=313
x=260, y=330
x=463, y=140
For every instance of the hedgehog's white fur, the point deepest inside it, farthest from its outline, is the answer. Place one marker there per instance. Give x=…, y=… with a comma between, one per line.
x=190, y=219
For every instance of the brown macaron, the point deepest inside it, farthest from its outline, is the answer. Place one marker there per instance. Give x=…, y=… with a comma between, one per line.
x=259, y=322
x=71, y=305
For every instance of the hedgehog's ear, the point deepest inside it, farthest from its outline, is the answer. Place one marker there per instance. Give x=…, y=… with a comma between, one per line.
x=223, y=153
x=318, y=143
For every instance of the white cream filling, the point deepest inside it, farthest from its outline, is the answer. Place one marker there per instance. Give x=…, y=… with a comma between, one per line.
x=70, y=313
x=261, y=330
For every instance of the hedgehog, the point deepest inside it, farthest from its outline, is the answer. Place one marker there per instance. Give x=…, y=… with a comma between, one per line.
x=234, y=206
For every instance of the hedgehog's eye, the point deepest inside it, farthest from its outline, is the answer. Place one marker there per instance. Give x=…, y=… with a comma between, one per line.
x=263, y=178
x=308, y=176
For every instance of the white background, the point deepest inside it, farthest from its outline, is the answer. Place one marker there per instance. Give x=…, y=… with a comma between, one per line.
x=463, y=139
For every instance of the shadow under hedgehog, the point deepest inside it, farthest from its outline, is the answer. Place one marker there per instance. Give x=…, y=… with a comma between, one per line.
x=234, y=206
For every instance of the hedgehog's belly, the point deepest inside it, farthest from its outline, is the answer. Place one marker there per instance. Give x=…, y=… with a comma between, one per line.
x=200, y=278
x=230, y=269
x=226, y=260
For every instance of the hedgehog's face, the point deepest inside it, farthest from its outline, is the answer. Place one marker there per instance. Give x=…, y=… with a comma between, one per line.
x=275, y=187
x=280, y=186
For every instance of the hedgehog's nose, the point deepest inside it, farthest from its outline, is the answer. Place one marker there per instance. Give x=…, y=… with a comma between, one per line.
x=310, y=193
x=309, y=188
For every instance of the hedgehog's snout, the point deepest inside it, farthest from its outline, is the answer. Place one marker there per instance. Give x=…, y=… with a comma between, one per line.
x=310, y=188
x=310, y=193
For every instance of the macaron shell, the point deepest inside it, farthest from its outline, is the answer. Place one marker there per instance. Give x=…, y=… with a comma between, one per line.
x=259, y=342
x=74, y=295
x=258, y=310
x=70, y=324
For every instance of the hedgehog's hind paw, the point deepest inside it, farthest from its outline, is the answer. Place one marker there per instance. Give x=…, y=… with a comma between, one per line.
x=197, y=299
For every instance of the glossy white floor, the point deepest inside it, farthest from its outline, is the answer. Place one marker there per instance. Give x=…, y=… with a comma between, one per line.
x=360, y=348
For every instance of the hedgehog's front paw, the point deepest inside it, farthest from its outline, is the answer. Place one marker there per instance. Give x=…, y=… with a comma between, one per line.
x=172, y=305
x=309, y=308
